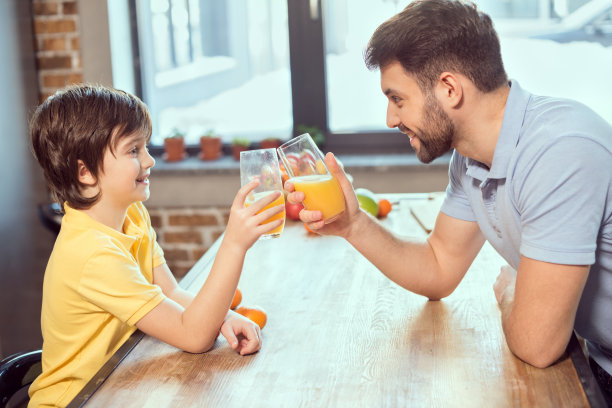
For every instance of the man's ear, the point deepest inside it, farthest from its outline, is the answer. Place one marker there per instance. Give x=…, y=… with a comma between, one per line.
x=85, y=176
x=449, y=90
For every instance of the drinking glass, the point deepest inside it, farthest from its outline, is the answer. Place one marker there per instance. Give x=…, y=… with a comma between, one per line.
x=306, y=169
x=263, y=165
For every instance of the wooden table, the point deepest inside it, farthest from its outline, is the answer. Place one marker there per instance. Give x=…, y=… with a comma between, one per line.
x=340, y=334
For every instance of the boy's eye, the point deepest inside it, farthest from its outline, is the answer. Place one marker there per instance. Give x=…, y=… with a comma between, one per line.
x=134, y=150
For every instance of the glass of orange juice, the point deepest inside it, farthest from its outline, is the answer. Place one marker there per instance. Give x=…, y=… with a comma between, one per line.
x=263, y=165
x=307, y=171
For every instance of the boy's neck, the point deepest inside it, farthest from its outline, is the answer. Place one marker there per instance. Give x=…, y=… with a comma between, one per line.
x=111, y=217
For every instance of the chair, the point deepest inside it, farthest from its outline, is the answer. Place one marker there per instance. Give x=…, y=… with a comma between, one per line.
x=17, y=371
x=50, y=216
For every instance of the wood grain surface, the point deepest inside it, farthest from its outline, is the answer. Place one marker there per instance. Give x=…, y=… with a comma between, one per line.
x=340, y=334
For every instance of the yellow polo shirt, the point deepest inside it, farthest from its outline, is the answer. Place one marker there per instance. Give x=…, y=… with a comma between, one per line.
x=98, y=284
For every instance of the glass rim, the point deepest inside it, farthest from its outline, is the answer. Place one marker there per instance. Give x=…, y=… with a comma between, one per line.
x=295, y=140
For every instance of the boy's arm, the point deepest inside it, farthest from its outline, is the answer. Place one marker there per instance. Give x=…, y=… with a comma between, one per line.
x=163, y=277
x=195, y=327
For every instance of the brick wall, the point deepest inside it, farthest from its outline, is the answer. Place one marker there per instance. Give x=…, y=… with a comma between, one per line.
x=186, y=233
x=57, y=44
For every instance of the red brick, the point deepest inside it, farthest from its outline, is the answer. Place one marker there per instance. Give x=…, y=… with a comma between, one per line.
x=53, y=81
x=156, y=221
x=176, y=255
x=75, y=43
x=194, y=219
x=54, y=62
x=69, y=7
x=179, y=270
x=53, y=44
x=42, y=9
x=183, y=237
x=54, y=26
x=74, y=78
x=198, y=253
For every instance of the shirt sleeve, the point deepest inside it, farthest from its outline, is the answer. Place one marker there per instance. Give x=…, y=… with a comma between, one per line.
x=112, y=280
x=561, y=198
x=456, y=203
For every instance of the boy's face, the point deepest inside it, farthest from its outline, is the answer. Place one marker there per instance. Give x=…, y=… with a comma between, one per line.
x=124, y=178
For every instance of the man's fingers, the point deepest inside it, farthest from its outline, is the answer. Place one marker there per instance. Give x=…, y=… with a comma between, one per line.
x=296, y=197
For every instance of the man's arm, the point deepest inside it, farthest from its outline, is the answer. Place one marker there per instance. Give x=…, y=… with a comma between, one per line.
x=538, y=307
x=431, y=267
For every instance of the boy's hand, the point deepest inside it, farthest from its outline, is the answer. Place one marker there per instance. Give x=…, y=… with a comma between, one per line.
x=242, y=334
x=245, y=225
x=343, y=225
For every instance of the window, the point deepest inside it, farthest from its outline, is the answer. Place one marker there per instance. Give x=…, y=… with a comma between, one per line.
x=216, y=65
x=261, y=68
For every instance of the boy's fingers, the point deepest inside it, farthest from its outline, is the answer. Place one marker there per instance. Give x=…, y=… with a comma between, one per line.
x=244, y=192
x=253, y=342
x=228, y=333
x=259, y=205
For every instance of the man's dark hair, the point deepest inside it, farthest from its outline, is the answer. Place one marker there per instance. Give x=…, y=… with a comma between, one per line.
x=79, y=123
x=433, y=36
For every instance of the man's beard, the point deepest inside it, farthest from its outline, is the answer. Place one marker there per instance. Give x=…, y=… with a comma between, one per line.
x=437, y=137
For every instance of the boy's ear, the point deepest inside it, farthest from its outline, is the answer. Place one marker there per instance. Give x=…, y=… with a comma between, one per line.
x=85, y=176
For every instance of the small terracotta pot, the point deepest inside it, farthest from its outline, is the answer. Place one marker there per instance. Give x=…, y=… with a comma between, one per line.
x=174, y=148
x=236, y=149
x=270, y=143
x=210, y=148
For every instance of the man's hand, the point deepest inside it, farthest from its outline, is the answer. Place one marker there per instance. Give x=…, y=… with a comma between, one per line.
x=505, y=281
x=344, y=225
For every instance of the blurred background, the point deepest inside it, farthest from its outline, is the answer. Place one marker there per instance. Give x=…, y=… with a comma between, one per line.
x=249, y=69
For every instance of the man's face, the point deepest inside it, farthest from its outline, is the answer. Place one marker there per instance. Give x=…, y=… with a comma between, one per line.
x=419, y=116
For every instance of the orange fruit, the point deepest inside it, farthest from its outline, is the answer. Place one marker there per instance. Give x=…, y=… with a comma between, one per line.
x=237, y=299
x=308, y=229
x=254, y=313
x=384, y=207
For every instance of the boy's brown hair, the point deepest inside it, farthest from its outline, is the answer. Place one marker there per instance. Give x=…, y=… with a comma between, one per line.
x=433, y=36
x=79, y=123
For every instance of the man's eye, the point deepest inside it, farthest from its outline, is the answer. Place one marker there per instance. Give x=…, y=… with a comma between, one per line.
x=395, y=99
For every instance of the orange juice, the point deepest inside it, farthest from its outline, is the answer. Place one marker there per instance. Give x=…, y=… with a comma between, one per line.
x=322, y=193
x=281, y=215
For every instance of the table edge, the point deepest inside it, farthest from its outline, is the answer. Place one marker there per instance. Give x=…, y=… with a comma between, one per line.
x=590, y=386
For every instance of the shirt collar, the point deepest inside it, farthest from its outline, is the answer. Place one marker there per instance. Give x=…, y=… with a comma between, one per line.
x=514, y=113
x=81, y=219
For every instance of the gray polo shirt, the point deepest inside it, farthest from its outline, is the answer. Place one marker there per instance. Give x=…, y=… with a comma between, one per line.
x=547, y=196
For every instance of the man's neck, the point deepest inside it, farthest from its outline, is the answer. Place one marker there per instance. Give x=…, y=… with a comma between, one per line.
x=479, y=125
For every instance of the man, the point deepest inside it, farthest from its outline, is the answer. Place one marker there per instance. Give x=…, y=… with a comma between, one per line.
x=532, y=175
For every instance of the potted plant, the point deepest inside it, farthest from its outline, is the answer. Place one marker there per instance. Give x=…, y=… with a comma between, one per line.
x=174, y=146
x=239, y=145
x=317, y=134
x=210, y=146
x=270, y=143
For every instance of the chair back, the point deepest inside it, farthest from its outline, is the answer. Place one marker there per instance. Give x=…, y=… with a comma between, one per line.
x=17, y=371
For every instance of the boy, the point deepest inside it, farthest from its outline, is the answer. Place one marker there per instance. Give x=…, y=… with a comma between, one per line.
x=107, y=275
